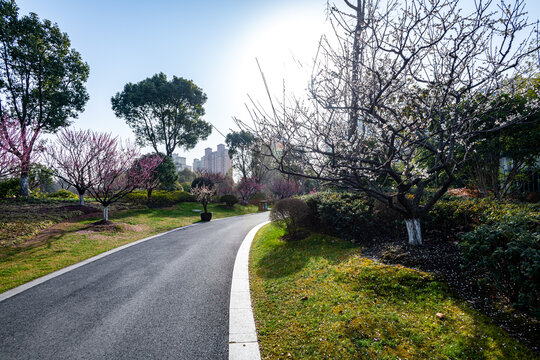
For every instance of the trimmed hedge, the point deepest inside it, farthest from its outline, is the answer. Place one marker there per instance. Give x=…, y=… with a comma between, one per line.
x=351, y=216
x=228, y=199
x=159, y=198
x=289, y=214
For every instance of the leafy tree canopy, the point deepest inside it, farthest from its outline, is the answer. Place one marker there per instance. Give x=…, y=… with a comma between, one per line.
x=42, y=78
x=163, y=112
x=41, y=83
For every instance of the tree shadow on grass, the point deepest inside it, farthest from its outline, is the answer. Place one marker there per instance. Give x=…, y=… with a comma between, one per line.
x=384, y=324
x=290, y=257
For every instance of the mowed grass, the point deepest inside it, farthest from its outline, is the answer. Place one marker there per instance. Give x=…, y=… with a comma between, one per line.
x=70, y=242
x=320, y=299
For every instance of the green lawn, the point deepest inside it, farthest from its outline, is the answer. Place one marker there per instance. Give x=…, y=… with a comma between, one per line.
x=320, y=299
x=70, y=242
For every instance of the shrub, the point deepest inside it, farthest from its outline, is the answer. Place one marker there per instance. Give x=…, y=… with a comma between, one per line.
x=159, y=198
x=186, y=186
x=499, y=242
x=349, y=216
x=458, y=215
x=198, y=182
x=229, y=199
x=9, y=187
x=290, y=213
x=63, y=193
x=508, y=254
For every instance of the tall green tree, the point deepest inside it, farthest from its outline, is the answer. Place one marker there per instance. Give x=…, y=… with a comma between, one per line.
x=240, y=145
x=163, y=112
x=41, y=82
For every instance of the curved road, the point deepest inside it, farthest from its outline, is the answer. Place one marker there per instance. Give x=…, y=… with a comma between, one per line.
x=166, y=298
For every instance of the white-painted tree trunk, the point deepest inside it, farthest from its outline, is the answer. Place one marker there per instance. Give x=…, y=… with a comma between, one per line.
x=81, y=199
x=23, y=187
x=415, y=231
x=106, y=213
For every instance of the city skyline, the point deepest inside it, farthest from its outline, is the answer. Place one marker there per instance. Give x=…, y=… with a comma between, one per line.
x=217, y=162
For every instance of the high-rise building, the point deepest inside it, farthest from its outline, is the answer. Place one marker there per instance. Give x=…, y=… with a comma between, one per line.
x=214, y=161
x=179, y=162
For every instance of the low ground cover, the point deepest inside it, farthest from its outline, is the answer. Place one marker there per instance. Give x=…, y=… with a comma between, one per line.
x=77, y=239
x=319, y=298
x=488, y=250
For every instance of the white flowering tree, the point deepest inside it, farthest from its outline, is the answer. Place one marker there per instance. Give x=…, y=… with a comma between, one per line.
x=397, y=89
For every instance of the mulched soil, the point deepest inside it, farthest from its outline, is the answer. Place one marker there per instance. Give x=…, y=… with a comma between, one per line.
x=442, y=258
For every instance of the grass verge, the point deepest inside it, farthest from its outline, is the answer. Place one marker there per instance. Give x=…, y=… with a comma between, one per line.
x=320, y=299
x=73, y=241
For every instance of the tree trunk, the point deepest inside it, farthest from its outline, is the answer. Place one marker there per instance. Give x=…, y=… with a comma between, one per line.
x=23, y=187
x=414, y=230
x=106, y=213
x=81, y=196
x=148, y=193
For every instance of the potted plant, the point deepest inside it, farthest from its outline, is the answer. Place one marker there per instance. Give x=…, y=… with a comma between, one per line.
x=203, y=193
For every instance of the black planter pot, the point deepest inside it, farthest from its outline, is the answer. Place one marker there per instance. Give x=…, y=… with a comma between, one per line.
x=206, y=216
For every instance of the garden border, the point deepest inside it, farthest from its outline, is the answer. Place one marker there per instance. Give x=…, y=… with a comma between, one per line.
x=243, y=343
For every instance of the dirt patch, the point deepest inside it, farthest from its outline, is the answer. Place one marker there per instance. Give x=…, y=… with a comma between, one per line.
x=443, y=258
x=103, y=226
x=297, y=237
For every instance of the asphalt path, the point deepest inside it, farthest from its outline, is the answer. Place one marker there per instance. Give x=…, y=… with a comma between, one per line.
x=166, y=298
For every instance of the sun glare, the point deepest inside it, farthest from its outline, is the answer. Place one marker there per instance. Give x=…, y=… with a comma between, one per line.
x=284, y=44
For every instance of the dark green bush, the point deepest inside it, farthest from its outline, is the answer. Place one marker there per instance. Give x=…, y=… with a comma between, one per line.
x=508, y=255
x=159, y=198
x=202, y=181
x=500, y=243
x=349, y=216
x=186, y=186
x=290, y=213
x=229, y=199
x=64, y=194
x=457, y=215
x=9, y=187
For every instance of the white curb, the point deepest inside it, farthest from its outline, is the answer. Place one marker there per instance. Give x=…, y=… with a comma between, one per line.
x=243, y=342
x=19, y=289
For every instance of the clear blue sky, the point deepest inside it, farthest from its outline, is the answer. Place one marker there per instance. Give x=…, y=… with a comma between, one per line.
x=212, y=42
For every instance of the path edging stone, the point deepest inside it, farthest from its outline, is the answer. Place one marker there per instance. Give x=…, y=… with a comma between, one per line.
x=243, y=343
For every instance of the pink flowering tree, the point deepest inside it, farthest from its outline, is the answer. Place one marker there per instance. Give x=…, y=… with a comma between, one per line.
x=117, y=173
x=74, y=157
x=17, y=144
x=284, y=189
x=224, y=184
x=203, y=193
x=153, y=180
x=247, y=187
x=8, y=163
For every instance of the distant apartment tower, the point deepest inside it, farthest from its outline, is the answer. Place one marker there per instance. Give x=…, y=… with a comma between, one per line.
x=214, y=161
x=180, y=162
